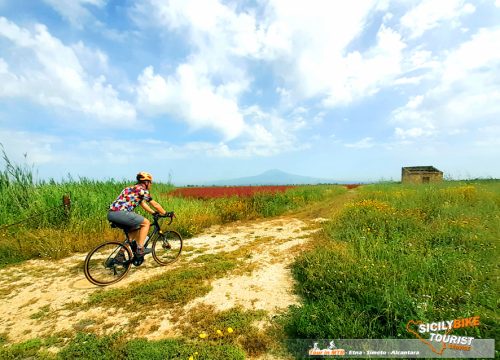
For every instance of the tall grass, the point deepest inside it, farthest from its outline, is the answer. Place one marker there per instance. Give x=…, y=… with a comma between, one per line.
x=195, y=214
x=47, y=230
x=402, y=253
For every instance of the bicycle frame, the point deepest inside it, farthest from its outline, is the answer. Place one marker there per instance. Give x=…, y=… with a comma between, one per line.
x=166, y=246
x=156, y=230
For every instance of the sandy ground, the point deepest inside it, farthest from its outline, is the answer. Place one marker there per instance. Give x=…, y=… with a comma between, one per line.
x=40, y=298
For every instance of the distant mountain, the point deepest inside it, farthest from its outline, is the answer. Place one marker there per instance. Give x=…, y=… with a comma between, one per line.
x=273, y=177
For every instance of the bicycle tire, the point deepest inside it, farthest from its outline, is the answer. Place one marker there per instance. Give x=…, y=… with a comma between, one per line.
x=167, y=246
x=100, y=267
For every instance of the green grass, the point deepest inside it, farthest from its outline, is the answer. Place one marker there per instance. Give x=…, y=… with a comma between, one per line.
x=41, y=313
x=47, y=230
x=116, y=346
x=241, y=340
x=184, y=283
x=402, y=253
x=234, y=326
x=32, y=348
x=181, y=349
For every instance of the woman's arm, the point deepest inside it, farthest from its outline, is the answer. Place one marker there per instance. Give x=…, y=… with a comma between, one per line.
x=154, y=204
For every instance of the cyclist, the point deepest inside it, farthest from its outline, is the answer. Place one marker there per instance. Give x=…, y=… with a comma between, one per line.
x=121, y=211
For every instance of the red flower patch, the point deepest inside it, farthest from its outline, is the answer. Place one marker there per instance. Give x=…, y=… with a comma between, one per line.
x=352, y=186
x=227, y=191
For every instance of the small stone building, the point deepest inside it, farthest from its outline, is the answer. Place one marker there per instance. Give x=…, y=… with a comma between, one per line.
x=420, y=175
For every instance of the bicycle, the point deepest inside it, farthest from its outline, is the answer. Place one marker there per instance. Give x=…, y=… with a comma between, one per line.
x=109, y=262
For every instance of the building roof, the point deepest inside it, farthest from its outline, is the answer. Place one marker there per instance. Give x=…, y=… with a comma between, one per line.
x=421, y=169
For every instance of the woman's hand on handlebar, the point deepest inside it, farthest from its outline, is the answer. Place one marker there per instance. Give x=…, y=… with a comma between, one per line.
x=169, y=214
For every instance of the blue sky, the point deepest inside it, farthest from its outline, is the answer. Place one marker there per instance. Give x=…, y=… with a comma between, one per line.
x=200, y=90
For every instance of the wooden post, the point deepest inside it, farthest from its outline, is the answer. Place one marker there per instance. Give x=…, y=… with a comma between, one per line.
x=66, y=203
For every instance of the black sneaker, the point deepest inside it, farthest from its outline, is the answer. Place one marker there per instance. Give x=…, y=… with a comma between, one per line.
x=143, y=251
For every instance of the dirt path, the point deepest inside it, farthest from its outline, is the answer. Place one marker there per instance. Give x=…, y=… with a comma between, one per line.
x=39, y=298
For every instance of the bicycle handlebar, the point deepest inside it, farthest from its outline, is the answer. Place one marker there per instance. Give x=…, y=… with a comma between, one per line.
x=169, y=214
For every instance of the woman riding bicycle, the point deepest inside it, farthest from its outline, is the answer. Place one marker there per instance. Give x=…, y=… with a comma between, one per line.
x=121, y=211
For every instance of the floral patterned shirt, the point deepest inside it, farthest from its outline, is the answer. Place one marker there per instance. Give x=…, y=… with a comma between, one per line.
x=130, y=197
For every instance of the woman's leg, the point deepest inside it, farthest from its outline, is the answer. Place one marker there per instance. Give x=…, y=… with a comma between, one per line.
x=140, y=234
x=134, y=221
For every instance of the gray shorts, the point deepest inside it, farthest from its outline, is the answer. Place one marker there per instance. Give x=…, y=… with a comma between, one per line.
x=127, y=219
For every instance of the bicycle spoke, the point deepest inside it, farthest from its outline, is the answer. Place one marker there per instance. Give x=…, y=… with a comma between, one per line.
x=107, y=264
x=167, y=247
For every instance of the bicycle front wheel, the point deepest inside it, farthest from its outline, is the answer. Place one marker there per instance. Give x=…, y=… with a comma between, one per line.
x=107, y=264
x=167, y=247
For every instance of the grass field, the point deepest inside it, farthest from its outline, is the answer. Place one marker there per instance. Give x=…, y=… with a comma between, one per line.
x=401, y=253
x=46, y=230
x=393, y=254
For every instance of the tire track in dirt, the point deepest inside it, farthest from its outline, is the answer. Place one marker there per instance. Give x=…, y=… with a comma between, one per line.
x=40, y=297
x=36, y=297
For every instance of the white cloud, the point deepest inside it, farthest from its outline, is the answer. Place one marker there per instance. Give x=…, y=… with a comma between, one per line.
x=429, y=14
x=313, y=55
x=191, y=97
x=361, y=75
x=205, y=89
x=411, y=114
x=466, y=89
x=305, y=43
x=215, y=32
x=75, y=11
x=412, y=80
x=489, y=136
x=93, y=60
x=39, y=148
x=497, y=3
x=364, y=143
x=267, y=134
x=473, y=57
x=50, y=73
x=413, y=133
x=313, y=38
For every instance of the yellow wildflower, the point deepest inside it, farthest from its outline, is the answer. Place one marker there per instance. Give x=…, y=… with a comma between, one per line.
x=229, y=330
x=219, y=333
x=203, y=335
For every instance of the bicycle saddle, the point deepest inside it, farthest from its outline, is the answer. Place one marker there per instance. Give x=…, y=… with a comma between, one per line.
x=119, y=226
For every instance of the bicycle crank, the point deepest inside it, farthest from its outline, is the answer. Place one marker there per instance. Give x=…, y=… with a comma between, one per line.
x=138, y=260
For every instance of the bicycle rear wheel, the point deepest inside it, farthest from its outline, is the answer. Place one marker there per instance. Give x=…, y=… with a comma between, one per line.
x=167, y=247
x=107, y=264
